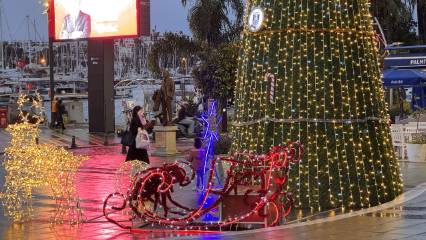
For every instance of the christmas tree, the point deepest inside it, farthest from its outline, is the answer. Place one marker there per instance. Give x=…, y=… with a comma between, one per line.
x=308, y=72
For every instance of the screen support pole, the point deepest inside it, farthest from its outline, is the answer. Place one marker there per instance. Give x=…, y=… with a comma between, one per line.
x=52, y=77
x=101, y=86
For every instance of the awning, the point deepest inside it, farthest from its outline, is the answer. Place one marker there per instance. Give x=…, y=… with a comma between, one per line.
x=394, y=78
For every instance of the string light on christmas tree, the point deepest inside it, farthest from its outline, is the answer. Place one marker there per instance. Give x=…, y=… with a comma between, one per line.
x=328, y=95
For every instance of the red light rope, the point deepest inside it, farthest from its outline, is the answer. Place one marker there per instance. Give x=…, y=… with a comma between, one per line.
x=156, y=185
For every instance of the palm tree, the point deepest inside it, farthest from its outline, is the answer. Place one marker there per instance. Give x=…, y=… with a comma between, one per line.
x=421, y=16
x=216, y=24
x=215, y=21
x=395, y=16
x=169, y=51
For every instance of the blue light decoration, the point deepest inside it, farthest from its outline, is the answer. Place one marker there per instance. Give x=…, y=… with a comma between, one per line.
x=213, y=215
x=211, y=122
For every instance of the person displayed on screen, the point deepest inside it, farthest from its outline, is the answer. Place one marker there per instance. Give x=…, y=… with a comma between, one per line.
x=76, y=24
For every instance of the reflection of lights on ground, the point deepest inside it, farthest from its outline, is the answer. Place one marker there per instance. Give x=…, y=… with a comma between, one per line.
x=213, y=215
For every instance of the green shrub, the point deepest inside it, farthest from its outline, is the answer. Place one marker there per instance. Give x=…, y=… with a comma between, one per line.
x=419, y=139
x=223, y=145
x=395, y=111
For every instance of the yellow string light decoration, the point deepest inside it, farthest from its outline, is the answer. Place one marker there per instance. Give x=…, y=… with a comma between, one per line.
x=30, y=165
x=123, y=180
x=125, y=173
x=46, y=5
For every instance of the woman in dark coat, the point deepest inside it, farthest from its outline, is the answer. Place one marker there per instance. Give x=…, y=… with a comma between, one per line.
x=60, y=110
x=138, y=121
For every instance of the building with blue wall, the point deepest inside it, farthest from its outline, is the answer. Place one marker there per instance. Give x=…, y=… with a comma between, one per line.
x=405, y=67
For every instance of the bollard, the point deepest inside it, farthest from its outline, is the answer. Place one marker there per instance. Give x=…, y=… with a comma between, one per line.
x=105, y=140
x=73, y=144
x=123, y=149
x=37, y=141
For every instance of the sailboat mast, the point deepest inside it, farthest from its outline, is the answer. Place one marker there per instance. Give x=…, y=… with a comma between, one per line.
x=29, y=39
x=1, y=36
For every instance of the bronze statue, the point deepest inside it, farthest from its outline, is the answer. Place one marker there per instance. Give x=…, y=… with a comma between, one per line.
x=165, y=96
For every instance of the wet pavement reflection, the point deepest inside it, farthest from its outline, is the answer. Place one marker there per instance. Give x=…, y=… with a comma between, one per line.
x=96, y=179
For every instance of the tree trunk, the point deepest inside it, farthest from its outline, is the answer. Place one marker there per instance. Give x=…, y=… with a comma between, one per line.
x=401, y=103
x=224, y=112
x=421, y=15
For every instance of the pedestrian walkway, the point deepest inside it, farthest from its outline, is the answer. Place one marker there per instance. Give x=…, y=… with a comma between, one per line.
x=64, y=138
x=97, y=178
x=83, y=139
x=403, y=221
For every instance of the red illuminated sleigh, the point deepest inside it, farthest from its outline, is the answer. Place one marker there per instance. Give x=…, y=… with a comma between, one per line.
x=154, y=187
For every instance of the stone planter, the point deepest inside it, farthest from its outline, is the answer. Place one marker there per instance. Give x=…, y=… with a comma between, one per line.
x=416, y=152
x=165, y=140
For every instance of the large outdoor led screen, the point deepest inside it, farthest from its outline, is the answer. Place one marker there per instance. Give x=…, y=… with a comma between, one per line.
x=83, y=19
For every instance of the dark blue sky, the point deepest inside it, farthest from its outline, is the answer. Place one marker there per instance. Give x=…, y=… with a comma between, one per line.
x=166, y=15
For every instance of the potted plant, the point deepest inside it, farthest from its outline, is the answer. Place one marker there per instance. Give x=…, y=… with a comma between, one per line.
x=416, y=149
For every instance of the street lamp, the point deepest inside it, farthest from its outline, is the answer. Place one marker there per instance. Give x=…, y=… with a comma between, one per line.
x=186, y=65
x=42, y=61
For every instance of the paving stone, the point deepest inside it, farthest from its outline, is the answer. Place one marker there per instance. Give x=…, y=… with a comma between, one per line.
x=96, y=179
